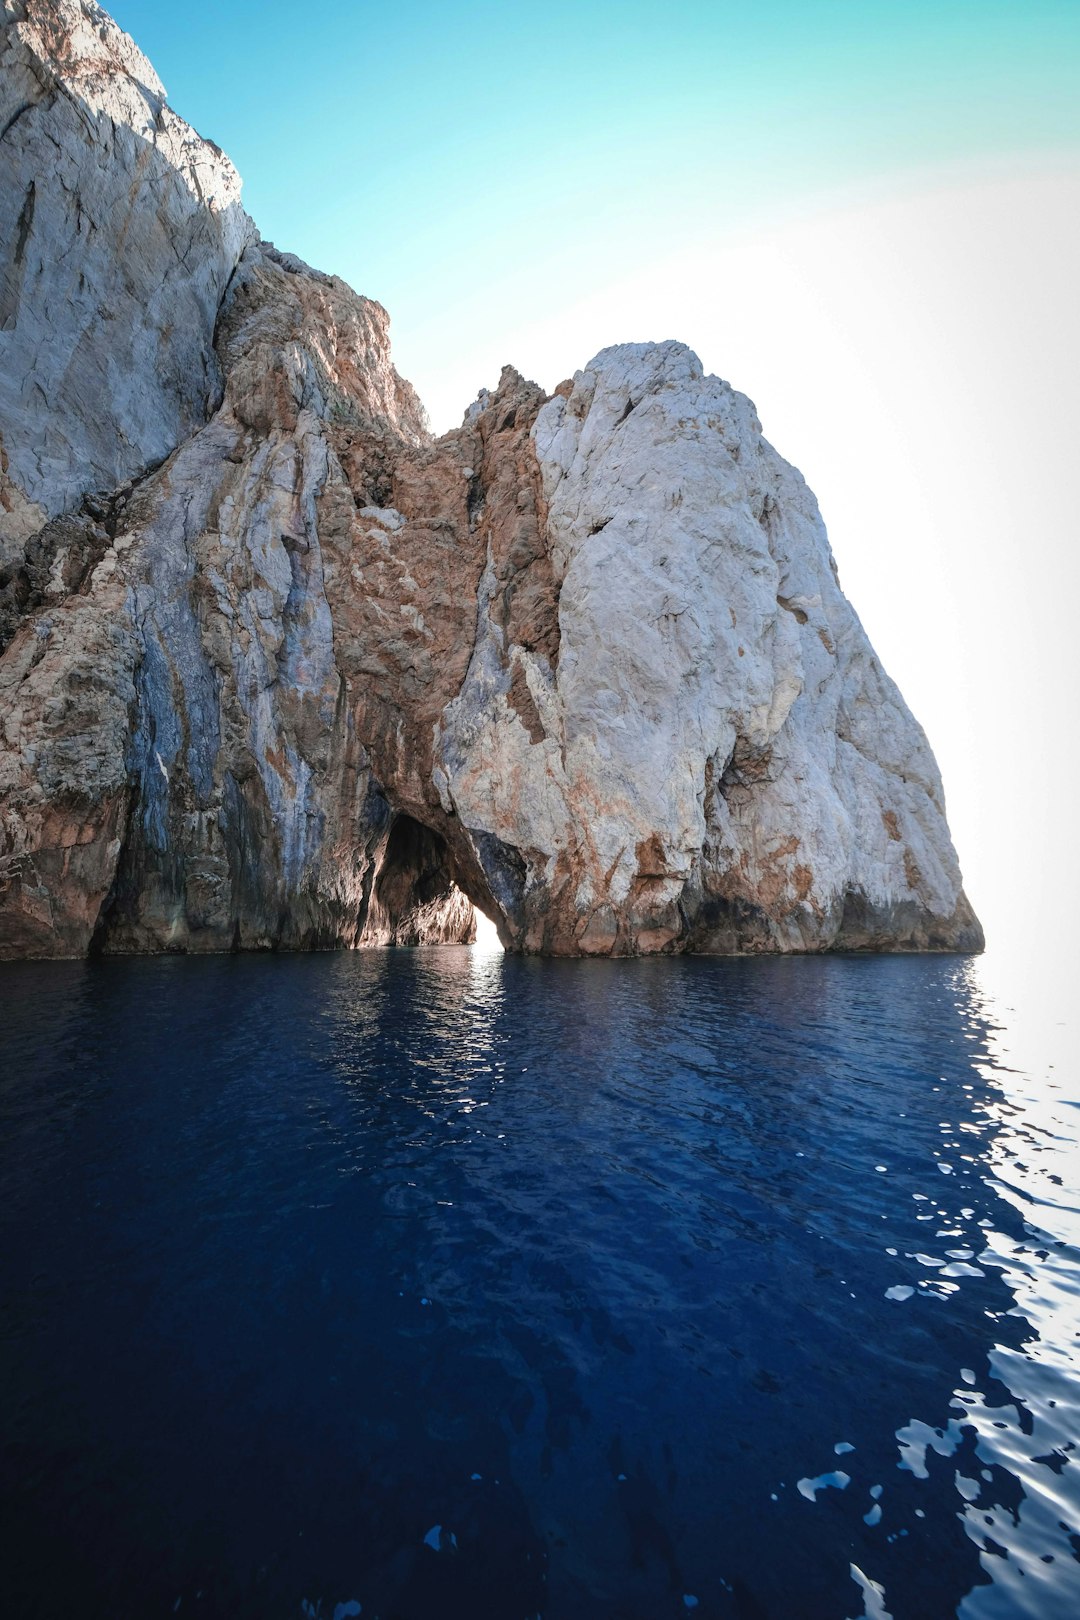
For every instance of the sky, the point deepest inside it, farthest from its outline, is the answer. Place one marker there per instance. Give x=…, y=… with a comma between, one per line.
x=864, y=215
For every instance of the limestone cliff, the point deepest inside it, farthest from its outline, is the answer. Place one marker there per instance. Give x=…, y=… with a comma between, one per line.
x=278, y=669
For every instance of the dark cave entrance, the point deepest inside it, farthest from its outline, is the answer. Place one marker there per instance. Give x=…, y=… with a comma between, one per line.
x=417, y=899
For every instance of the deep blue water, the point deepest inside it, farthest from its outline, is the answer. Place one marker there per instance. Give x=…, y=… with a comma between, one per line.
x=448, y=1286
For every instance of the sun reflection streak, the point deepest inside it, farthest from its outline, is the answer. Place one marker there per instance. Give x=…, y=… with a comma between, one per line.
x=1030, y=1159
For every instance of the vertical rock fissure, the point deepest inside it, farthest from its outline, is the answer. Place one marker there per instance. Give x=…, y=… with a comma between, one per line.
x=13, y=275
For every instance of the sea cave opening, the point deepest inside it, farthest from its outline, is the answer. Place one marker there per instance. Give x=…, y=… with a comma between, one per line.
x=418, y=899
x=487, y=935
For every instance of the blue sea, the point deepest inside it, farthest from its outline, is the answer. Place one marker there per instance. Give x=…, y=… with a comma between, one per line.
x=443, y=1285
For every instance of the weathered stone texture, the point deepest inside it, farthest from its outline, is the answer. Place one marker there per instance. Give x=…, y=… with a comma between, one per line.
x=119, y=230
x=279, y=670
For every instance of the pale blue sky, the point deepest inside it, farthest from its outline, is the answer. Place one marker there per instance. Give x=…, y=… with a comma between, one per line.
x=421, y=148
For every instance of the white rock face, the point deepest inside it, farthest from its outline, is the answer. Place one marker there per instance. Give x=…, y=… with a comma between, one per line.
x=725, y=764
x=119, y=230
x=278, y=670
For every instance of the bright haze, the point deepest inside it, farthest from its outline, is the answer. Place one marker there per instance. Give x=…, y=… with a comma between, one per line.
x=863, y=215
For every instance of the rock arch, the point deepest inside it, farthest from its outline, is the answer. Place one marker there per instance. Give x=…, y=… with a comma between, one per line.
x=415, y=898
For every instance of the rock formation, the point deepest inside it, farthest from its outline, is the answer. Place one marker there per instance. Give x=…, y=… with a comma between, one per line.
x=279, y=669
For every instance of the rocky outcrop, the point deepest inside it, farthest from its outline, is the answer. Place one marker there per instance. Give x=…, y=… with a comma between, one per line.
x=716, y=761
x=279, y=670
x=119, y=230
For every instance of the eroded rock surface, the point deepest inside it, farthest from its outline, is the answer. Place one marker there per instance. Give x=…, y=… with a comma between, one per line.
x=119, y=230
x=281, y=670
x=716, y=760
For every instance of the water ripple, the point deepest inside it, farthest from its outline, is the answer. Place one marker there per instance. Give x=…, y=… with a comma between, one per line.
x=439, y=1283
